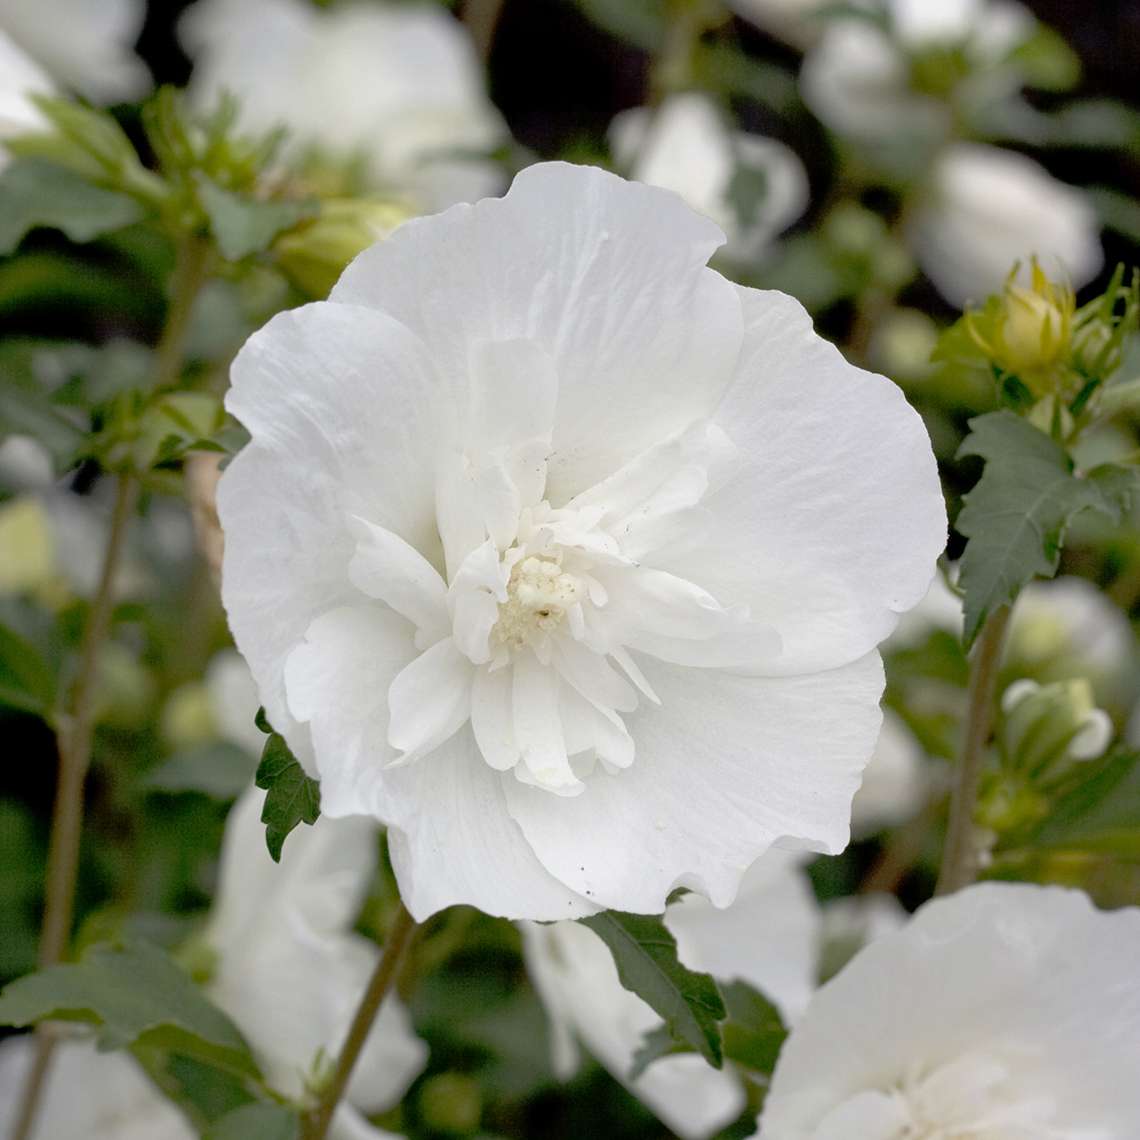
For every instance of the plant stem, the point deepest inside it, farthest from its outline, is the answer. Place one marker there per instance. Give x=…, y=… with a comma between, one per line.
x=76, y=728
x=960, y=859
x=318, y=1121
x=75, y=734
x=191, y=266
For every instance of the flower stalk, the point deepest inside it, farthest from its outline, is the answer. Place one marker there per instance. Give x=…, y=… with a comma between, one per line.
x=75, y=734
x=316, y=1124
x=960, y=859
x=76, y=723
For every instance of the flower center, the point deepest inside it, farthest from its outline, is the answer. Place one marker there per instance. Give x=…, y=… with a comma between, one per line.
x=539, y=592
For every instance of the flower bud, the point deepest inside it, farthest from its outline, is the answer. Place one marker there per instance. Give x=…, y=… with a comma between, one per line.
x=450, y=1102
x=1028, y=331
x=187, y=717
x=1048, y=726
x=313, y=256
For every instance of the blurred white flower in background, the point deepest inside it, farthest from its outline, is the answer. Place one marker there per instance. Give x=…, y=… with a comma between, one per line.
x=396, y=86
x=752, y=187
x=521, y=572
x=1009, y=1012
x=20, y=77
x=285, y=965
x=895, y=783
x=769, y=937
x=796, y=21
x=89, y=1095
x=1066, y=628
x=233, y=700
x=84, y=45
x=863, y=80
x=288, y=967
x=987, y=209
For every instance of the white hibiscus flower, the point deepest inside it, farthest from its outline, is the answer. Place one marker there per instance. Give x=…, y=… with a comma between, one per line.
x=798, y=22
x=20, y=78
x=85, y=45
x=860, y=78
x=89, y=1096
x=565, y=556
x=769, y=937
x=1005, y=1012
x=895, y=783
x=988, y=209
x=289, y=969
x=687, y=145
x=398, y=86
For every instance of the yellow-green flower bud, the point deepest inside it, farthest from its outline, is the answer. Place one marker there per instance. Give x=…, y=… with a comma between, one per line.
x=187, y=718
x=451, y=1102
x=1028, y=332
x=313, y=256
x=27, y=549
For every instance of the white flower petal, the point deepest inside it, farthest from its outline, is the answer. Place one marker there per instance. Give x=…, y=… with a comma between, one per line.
x=338, y=681
x=466, y=848
x=725, y=767
x=85, y=46
x=336, y=399
x=89, y=1095
x=386, y=567
x=492, y=717
x=430, y=699
x=823, y=546
x=991, y=208
x=605, y=277
x=1032, y=979
x=538, y=726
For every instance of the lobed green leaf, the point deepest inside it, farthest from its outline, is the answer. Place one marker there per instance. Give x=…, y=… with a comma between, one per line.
x=1017, y=515
x=292, y=797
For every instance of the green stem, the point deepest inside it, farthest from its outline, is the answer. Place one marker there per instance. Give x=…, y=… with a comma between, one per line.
x=318, y=1121
x=75, y=735
x=960, y=859
x=76, y=729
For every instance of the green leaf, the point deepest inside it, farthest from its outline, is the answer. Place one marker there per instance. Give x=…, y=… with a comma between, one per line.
x=265, y=1121
x=645, y=954
x=655, y=1044
x=134, y=993
x=755, y=1032
x=37, y=193
x=1017, y=515
x=1102, y=813
x=291, y=796
x=26, y=679
x=1046, y=61
x=217, y=768
x=242, y=225
x=642, y=23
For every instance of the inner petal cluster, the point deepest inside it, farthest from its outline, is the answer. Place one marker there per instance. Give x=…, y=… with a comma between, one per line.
x=532, y=632
x=970, y=1098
